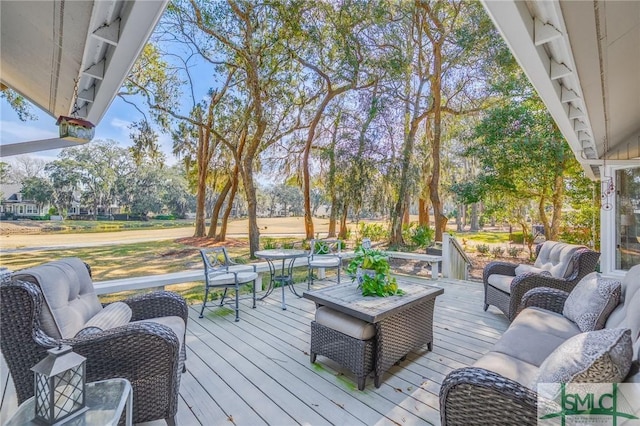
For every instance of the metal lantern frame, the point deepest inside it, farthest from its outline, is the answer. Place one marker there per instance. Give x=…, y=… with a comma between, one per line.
x=60, y=386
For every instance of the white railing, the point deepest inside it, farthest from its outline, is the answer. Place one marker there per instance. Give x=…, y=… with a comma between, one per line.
x=262, y=268
x=455, y=262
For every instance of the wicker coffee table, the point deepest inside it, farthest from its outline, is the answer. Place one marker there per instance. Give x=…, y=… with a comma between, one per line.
x=403, y=323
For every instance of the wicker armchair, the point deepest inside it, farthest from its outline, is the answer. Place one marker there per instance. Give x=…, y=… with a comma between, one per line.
x=507, y=286
x=147, y=353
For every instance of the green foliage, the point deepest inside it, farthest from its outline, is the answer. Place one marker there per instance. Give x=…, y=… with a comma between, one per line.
x=268, y=243
x=418, y=236
x=514, y=251
x=18, y=103
x=497, y=251
x=376, y=279
x=373, y=231
x=165, y=217
x=482, y=248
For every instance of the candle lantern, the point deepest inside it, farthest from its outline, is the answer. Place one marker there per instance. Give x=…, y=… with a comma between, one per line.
x=59, y=385
x=75, y=129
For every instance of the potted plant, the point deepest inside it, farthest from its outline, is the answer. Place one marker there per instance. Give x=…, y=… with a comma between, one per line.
x=370, y=267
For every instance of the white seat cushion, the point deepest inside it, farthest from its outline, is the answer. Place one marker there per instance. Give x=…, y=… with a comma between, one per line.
x=229, y=278
x=176, y=324
x=501, y=282
x=345, y=324
x=324, y=261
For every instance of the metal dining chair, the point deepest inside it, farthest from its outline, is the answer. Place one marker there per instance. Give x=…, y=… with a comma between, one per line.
x=324, y=254
x=221, y=272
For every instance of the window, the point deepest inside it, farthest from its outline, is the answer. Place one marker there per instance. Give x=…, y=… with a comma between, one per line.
x=627, y=218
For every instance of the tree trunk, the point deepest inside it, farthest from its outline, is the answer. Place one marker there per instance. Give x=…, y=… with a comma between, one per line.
x=459, y=218
x=434, y=182
x=475, y=218
x=406, y=219
x=543, y=217
x=222, y=236
x=252, y=205
x=343, y=222
x=423, y=212
x=332, y=178
x=216, y=209
x=556, y=218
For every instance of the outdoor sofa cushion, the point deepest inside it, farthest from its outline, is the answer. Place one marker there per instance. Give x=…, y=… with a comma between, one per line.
x=113, y=315
x=601, y=356
x=345, y=324
x=554, y=258
x=591, y=301
x=70, y=299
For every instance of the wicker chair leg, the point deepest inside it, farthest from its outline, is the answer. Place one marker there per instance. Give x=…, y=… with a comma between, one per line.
x=486, y=306
x=361, y=382
x=171, y=421
x=312, y=357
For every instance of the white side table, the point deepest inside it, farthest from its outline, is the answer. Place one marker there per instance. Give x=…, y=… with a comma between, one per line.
x=106, y=400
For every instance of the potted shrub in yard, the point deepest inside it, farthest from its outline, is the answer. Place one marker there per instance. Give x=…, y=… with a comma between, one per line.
x=370, y=267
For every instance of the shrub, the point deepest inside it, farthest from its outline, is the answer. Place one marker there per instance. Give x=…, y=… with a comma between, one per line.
x=165, y=217
x=373, y=231
x=497, y=251
x=514, y=251
x=268, y=243
x=482, y=248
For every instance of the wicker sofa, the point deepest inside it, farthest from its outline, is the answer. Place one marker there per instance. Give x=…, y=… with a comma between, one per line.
x=55, y=302
x=558, y=265
x=500, y=388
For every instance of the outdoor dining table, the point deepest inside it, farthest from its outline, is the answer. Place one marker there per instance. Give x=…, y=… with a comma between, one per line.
x=283, y=273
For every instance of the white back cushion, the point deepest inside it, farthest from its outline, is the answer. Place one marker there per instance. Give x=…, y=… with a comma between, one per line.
x=555, y=257
x=627, y=314
x=70, y=299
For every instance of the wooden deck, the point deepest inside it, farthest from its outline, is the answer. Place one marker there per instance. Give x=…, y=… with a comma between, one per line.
x=257, y=371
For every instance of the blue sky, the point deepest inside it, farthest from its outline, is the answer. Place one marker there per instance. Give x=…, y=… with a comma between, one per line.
x=114, y=125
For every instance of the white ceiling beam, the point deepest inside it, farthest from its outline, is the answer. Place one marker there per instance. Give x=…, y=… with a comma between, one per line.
x=544, y=32
x=88, y=94
x=137, y=23
x=96, y=70
x=575, y=112
x=568, y=95
x=109, y=33
x=558, y=70
x=19, y=148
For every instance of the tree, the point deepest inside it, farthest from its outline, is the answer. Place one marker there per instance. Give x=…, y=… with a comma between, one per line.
x=65, y=179
x=17, y=102
x=38, y=190
x=96, y=167
x=523, y=155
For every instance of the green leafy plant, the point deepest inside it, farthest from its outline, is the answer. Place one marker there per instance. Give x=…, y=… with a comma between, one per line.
x=370, y=267
x=497, y=251
x=482, y=248
x=514, y=251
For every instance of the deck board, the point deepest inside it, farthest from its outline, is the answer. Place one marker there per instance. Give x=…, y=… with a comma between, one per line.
x=257, y=371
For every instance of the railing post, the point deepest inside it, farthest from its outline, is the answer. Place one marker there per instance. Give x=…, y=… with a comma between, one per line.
x=446, y=255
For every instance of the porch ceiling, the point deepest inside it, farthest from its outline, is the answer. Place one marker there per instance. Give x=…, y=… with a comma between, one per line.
x=46, y=46
x=583, y=58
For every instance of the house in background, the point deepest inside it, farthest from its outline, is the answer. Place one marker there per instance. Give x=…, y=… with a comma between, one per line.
x=14, y=206
x=583, y=59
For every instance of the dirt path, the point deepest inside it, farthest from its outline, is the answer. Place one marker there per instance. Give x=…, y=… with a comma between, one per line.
x=32, y=239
